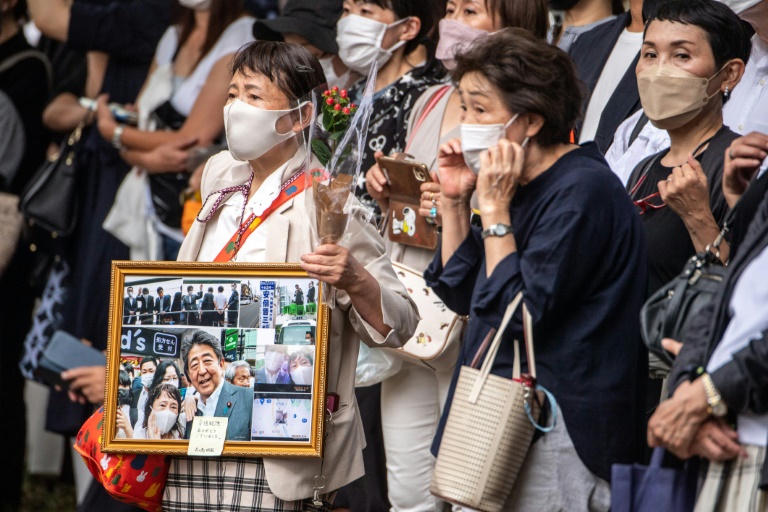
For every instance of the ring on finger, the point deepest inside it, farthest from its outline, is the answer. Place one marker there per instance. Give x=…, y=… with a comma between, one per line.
x=432, y=197
x=433, y=212
x=430, y=220
x=434, y=202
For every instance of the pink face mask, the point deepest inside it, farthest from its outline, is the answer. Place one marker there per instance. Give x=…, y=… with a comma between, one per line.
x=455, y=37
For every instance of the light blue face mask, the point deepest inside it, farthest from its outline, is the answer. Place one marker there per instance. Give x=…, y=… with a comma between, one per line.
x=476, y=138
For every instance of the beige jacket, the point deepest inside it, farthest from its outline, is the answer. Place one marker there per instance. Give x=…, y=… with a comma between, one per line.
x=290, y=237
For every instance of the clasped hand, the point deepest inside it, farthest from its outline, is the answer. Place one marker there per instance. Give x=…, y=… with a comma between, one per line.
x=686, y=191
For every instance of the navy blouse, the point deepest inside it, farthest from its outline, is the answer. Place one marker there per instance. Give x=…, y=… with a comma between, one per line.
x=581, y=264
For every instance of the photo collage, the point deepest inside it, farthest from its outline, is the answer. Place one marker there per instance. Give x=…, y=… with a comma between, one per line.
x=249, y=344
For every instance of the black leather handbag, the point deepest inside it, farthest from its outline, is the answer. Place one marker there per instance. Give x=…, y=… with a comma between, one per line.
x=668, y=312
x=49, y=200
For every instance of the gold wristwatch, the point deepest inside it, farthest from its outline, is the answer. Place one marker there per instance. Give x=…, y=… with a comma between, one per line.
x=715, y=405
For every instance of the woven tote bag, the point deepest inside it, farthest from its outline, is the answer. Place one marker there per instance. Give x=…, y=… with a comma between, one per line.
x=488, y=431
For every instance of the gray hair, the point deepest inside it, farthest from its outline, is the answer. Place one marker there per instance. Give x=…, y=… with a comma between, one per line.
x=229, y=373
x=192, y=337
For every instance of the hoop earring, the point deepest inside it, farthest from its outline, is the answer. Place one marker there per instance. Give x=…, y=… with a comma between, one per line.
x=726, y=93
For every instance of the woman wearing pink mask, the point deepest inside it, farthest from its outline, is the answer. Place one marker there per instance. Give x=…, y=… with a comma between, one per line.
x=417, y=390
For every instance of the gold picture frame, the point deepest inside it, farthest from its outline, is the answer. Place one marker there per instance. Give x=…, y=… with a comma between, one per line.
x=284, y=342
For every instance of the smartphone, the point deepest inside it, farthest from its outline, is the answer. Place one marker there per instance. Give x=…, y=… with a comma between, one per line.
x=64, y=352
x=404, y=176
x=119, y=112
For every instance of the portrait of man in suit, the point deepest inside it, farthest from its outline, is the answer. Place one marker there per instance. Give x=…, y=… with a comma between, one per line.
x=233, y=306
x=207, y=308
x=162, y=307
x=204, y=366
x=146, y=307
x=311, y=293
x=130, y=308
x=189, y=305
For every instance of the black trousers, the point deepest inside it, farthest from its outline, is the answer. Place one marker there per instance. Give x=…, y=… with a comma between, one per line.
x=369, y=492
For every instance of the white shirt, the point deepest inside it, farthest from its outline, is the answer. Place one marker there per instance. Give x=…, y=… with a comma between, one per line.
x=186, y=89
x=226, y=221
x=220, y=300
x=209, y=407
x=749, y=318
x=616, y=66
x=746, y=111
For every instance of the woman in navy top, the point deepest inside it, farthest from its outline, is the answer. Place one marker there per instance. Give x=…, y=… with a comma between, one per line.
x=558, y=226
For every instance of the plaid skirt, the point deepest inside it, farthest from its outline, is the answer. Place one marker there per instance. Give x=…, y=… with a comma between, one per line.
x=733, y=486
x=227, y=485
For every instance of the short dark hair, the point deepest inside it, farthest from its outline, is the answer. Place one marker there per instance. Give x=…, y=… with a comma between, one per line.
x=192, y=337
x=291, y=67
x=160, y=372
x=190, y=288
x=210, y=289
x=728, y=35
x=127, y=367
x=159, y=289
x=154, y=393
x=145, y=290
x=429, y=13
x=532, y=76
x=221, y=288
x=123, y=379
x=148, y=359
x=532, y=15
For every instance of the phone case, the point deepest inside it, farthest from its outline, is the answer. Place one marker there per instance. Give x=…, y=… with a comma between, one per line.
x=65, y=352
x=404, y=224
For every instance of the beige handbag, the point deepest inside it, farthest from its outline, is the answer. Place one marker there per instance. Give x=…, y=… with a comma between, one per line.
x=437, y=339
x=488, y=431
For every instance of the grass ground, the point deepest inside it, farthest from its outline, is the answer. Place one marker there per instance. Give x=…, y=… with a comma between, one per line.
x=47, y=494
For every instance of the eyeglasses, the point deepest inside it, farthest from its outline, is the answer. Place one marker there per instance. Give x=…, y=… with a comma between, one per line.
x=645, y=203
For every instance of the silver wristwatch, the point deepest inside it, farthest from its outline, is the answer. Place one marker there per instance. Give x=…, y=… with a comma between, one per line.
x=497, y=230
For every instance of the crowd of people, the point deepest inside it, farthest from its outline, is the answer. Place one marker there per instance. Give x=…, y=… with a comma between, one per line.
x=579, y=151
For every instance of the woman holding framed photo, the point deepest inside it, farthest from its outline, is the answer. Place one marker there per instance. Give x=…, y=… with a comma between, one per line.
x=263, y=177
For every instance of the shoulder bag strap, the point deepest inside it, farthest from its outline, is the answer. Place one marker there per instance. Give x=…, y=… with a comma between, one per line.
x=11, y=61
x=433, y=101
x=485, y=370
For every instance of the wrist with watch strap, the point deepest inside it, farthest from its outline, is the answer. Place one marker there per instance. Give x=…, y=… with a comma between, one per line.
x=117, y=142
x=497, y=230
x=715, y=405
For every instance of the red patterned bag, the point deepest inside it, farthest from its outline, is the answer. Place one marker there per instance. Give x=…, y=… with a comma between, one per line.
x=137, y=479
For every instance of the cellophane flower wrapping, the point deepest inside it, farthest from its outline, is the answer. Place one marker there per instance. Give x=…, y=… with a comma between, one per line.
x=336, y=141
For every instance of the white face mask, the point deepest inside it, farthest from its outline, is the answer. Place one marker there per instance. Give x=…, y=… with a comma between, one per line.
x=130, y=295
x=173, y=382
x=476, y=138
x=302, y=375
x=359, y=39
x=273, y=361
x=197, y=5
x=146, y=379
x=165, y=420
x=251, y=131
